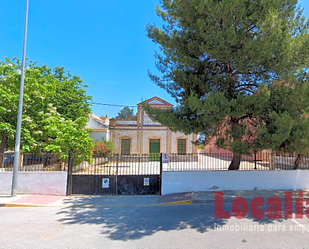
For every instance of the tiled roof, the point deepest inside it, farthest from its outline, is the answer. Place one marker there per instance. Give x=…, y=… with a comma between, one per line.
x=100, y=120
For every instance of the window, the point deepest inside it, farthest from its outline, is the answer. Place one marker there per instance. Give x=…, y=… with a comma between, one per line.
x=125, y=146
x=182, y=146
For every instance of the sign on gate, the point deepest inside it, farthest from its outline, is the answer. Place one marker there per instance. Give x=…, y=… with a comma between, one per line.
x=165, y=158
x=146, y=181
x=105, y=182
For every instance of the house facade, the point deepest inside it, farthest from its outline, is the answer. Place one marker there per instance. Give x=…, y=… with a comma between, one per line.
x=140, y=135
x=99, y=126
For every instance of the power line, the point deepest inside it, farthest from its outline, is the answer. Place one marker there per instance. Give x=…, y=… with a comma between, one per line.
x=97, y=103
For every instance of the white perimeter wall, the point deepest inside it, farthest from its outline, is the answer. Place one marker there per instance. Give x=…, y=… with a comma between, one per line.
x=36, y=183
x=190, y=181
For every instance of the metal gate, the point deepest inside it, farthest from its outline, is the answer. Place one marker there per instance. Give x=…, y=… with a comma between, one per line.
x=116, y=174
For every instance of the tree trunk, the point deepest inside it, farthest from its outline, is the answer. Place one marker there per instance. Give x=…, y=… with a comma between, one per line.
x=2, y=147
x=235, y=162
x=298, y=161
x=272, y=160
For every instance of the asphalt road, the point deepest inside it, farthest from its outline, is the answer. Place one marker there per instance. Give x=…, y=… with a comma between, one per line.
x=174, y=226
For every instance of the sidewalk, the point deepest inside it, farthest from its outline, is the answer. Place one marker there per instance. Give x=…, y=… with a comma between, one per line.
x=136, y=200
x=30, y=200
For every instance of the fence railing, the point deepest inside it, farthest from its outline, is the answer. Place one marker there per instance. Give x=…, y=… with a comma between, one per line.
x=221, y=161
x=149, y=164
x=34, y=162
x=117, y=165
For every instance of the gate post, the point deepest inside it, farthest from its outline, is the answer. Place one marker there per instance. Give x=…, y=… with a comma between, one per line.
x=69, y=177
x=117, y=162
x=160, y=178
x=139, y=164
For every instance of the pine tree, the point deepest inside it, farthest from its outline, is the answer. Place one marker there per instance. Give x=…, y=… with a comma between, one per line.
x=125, y=112
x=236, y=69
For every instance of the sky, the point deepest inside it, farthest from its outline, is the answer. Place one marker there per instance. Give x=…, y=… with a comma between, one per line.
x=104, y=42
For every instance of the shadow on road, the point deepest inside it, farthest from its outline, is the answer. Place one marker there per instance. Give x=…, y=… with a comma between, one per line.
x=134, y=222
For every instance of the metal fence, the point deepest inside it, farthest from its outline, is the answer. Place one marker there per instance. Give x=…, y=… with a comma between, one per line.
x=221, y=161
x=117, y=165
x=148, y=164
x=34, y=162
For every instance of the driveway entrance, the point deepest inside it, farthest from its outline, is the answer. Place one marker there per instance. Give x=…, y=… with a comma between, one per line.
x=117, y=174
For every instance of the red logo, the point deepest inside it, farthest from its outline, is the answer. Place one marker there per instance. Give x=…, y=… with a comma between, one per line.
x=257, y=207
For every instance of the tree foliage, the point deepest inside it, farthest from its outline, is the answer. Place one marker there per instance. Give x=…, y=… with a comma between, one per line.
x=55, y=109
x=125, y=112
x=237, y=70
x=70, y=98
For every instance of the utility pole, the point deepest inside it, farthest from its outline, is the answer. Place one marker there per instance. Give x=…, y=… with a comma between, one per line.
x=20, y=110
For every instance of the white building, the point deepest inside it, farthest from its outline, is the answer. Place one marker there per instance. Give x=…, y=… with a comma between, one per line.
x=100, y=126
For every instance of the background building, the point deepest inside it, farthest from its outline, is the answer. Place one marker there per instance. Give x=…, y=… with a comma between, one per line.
x=141, y=135
x=99, y=126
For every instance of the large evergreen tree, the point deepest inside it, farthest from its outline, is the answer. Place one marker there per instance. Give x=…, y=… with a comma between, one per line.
x=236, y=69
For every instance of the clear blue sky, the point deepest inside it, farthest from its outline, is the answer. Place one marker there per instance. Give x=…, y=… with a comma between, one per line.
x=104, y=42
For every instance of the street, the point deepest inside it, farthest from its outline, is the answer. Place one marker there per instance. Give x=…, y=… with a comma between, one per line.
x=143, y=226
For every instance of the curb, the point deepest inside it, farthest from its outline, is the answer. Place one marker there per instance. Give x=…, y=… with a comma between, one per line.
x=22, y=205
x=186, y=202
